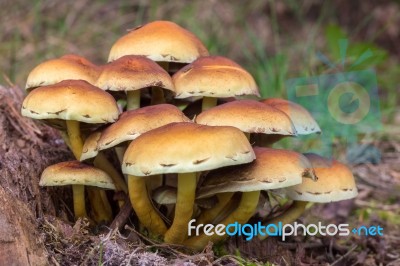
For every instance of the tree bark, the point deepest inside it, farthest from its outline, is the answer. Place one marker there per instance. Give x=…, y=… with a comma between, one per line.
x=26, y=148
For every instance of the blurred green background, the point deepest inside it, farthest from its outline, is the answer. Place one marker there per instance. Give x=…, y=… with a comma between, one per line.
x=274, y=40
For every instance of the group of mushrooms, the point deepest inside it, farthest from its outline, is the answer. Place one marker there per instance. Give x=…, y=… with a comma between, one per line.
x=164, y=110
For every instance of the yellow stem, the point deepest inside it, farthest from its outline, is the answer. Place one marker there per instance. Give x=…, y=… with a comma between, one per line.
x=133, y=100
x=289, y=216
x=177, y=233
x=74, y=134
x=104, y=164
x=76, y=145
x=78, y=194
x=209, y=215
x=100, y=212
x=120, y=151
x=143, y=207
x=247, y=206
x=106, y=203
x=208, y=102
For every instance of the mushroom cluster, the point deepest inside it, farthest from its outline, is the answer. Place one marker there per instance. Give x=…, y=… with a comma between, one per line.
x=167, y=112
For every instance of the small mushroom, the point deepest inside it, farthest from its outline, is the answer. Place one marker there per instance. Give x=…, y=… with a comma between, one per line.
x=160, y=41
x=131, y=74
x=130, y=125
x=67, y=67
x=213, y=77
x=335, y=182
x=250, y=116
x=302, y=120
x=163, y=42
x=72, y=103
x=78, y=175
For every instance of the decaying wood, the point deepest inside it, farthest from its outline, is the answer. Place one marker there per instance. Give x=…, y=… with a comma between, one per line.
x=20, y=243
x=26, y=148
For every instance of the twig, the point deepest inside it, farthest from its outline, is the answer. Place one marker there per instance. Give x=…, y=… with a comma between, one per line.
x=345, y=255
x=123, y=215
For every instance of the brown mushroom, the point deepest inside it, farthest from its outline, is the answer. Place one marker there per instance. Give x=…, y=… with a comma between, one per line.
x=213, y=77
x=335, y=182
x=183, y=148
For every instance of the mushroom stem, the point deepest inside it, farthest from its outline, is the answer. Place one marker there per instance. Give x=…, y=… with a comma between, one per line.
x=209, y=215
x=76, y=145
x=143, y=207
x=177, y=233
x=74, y=134
x=133, y=100
x=157, y=93
x=289, y=216
x=248, y=204
x=104, y=164
x=106, y=203
x=208, y=102
x=78, y=195
x=120, y=151
x=157, y=96
x=101, y=209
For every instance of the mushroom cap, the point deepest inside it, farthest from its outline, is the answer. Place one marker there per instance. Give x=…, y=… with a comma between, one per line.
x=130, y=125
x=185, y=148
x=71, y=100
x=161, y=41
x=335, y=182
x=133, y=123
x=90, y=149
x=272, y=169
x=67, y=67
x=302, y=120
x=165, y=195
x=133, y=72
x=213, y=76
x=75, y=173
x=168, y=195
x=249, y=116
